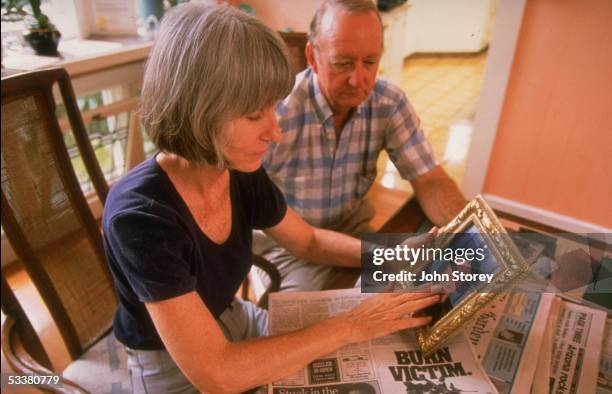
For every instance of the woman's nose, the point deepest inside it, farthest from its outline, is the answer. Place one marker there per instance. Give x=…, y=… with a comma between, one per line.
x=275, y=133
x=274, y=130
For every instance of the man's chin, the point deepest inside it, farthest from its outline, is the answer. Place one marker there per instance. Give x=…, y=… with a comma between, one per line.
x=353, y=101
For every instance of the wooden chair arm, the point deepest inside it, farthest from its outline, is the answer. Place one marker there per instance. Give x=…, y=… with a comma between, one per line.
x=273, y=274
x=23, y=364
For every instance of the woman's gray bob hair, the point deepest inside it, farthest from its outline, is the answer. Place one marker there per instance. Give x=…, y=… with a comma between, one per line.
x=209, y=64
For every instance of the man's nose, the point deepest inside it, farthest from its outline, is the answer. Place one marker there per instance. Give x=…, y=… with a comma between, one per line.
x=358, y=76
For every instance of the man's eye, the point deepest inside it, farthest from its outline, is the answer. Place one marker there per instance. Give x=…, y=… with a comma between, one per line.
x=342, y=65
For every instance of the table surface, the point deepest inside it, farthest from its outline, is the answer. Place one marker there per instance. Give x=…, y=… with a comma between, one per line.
x=409, y=217
x=80, y=56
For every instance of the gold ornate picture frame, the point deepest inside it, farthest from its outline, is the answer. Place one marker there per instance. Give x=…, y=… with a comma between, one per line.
x=503, y=257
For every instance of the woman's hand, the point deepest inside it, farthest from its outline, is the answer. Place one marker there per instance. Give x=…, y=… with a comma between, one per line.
x=384, y=314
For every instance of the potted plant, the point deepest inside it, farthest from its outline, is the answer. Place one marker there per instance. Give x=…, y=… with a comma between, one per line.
x=12, y=10
x=40, y=33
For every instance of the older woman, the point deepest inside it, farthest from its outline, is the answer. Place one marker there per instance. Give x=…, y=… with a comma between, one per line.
x=178, y=227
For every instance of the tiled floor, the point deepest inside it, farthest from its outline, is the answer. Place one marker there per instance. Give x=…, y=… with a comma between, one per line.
x=444, y=90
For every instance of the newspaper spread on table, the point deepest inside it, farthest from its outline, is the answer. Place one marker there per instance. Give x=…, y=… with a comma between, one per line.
x=604, y=379
x=391, y=364
x=577, y=338
x=540, y=385
x=503, y=331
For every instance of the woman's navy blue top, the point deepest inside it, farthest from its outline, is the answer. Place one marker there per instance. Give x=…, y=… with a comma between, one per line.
x=156, y=250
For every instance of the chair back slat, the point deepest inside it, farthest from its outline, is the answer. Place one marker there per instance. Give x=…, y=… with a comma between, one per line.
x=44, y=213
x=296, y=42
x=82, y=139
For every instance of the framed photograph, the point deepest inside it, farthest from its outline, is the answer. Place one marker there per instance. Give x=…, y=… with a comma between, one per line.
x=495, y=266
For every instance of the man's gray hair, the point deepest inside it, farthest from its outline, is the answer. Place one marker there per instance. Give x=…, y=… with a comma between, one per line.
x=346, y=5
x=209, y=64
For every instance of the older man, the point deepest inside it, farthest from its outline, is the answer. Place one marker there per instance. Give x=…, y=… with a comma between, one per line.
x=336, y=121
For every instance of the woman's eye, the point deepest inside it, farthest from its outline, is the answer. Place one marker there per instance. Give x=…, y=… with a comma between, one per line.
x=254, y=116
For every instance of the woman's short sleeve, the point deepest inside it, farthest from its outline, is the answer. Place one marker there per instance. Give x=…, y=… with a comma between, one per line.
x=152, y=253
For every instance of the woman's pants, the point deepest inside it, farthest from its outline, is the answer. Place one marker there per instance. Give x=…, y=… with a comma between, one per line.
x=154, y=371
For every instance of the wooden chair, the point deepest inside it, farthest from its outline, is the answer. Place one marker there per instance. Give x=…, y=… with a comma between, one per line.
x=48, y=222
x=273, y=286
x=23, y=349
x=296, y=42
x=20, y=324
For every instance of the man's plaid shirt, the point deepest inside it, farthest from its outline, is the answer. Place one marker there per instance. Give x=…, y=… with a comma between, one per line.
x=324, y=179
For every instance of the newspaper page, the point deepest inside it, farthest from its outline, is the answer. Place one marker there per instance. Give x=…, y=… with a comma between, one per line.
x=604, y=379
x=540, y=384
x=391, y=364
x=576, y=349
x=507, y=336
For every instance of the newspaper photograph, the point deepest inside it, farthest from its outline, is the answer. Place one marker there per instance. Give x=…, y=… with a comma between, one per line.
x=604, y=379
x=391, y=364
x=503, y=331
x=576, y=349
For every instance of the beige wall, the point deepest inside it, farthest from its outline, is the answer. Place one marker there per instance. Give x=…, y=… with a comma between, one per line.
x=553, y=147
x=282, y=14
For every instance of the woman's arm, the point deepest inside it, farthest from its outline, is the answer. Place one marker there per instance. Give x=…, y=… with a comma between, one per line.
x=213, y=364
x=315, y=244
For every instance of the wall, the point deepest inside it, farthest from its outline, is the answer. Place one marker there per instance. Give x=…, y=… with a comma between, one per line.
x=438, y=26
x=553, y=147
x=282, y=14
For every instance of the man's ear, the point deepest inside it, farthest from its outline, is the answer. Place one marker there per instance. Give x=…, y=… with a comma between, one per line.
x=310, y=56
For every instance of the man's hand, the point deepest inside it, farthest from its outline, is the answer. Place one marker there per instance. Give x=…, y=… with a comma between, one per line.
x=413, y=242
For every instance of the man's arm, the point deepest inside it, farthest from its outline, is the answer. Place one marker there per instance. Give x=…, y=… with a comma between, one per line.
x=438, y=195
x=315, y=244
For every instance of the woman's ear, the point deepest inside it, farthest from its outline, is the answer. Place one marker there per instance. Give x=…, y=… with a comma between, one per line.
x=310, y=56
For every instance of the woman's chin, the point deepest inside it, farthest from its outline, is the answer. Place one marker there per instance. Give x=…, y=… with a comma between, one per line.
x=247, y=166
